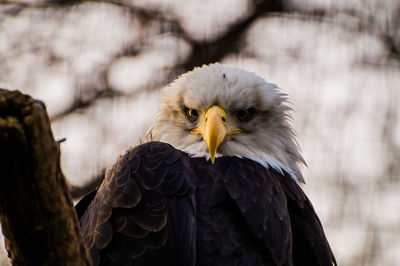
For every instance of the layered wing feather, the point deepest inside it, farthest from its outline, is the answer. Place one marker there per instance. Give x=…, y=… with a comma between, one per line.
x=310, y=246
x=143, y=213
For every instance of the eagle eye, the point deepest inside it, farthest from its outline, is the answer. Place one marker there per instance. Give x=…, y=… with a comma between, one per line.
x=191, y=114
x=245, y=115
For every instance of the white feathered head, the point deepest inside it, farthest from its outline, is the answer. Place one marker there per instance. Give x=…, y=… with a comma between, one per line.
x=220, y=110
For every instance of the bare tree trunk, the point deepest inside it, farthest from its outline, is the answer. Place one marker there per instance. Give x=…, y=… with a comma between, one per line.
x=36, y=211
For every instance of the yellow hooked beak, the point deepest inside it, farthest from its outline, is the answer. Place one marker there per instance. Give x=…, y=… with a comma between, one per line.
x=215, y=129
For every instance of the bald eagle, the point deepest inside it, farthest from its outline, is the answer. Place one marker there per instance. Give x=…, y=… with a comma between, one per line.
x=216, y=182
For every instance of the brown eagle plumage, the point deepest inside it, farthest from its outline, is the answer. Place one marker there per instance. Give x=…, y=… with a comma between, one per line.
x=216, y=183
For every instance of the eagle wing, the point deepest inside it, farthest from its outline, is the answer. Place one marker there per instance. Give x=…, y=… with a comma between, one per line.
x=310, y=246
x=277, y=211
x=143, y=212
x=159, y=206
x=260, y=202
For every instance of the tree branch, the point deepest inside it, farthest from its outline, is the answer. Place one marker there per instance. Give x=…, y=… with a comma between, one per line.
x=36, y=211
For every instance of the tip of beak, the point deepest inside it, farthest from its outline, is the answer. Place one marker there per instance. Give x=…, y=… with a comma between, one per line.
x=213, y=159
x=212, y=155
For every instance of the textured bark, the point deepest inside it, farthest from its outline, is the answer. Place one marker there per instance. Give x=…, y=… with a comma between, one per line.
x=36, y=211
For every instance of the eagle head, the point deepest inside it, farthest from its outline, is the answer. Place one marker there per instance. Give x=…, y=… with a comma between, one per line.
x=218, y=110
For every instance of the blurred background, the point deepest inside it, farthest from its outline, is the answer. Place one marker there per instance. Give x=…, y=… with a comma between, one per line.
x=98, y=66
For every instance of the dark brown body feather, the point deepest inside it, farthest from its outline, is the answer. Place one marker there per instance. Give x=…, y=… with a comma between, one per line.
x=158, y=206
